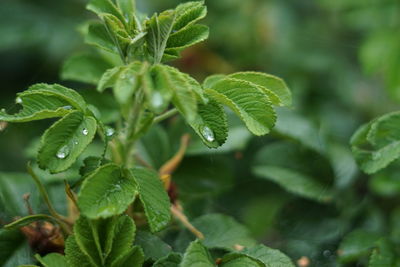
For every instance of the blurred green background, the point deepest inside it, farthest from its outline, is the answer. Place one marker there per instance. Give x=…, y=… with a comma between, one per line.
x=341, y=60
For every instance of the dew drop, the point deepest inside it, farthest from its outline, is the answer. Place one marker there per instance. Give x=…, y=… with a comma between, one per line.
x=63, y=152
x=85, y=131
x=67, y=107
x=208, y=134
x=110, y=132
x=18, y=100
x=327, y=253
x=76, y=142
x=156, y=100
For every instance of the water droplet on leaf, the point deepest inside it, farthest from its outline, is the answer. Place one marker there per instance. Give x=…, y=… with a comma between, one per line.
x=18, y=100
x=63, y=152
x=110, y=132
x=67, y=107
x=208, y=134
x=85, y=131
x=327, y=253
x=156, y=100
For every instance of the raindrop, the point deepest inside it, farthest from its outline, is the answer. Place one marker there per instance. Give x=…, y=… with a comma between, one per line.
x=18, y=100
x=110, y=132
x=76, y=142
x=85, y=131
x=156, y=100
x=63, y=152
x=67, y=107
x=208, y=134
x=327, y=253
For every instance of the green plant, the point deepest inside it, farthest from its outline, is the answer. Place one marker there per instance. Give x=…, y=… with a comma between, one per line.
x=118, y=191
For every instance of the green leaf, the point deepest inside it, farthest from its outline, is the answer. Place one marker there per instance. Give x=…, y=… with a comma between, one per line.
x=128, y=8
x=159, y=28
x=242, y=261
x=383, y=255
x=74, y=255
x=274, y=87
x=154, y=248
x=117, y=30
x=154, y=198
x=84, y=67
x=260, y=253
x=133, y=258
x=236, y=141
x=106, y=192
x=122, y=239
x=69, y=95
x=222, y=232
x=178, y=86
x=52, y=260
x=90, y=164
x=247, y=101
x=193, y=179
x=356, y=244
x=98, y=36
x=211, y=80
x=297, y=127
x=127, y=82
x=87, y=239
x=188, y=36
x=184, y=31
x=158, y=94
x=171, y=260
x=109, y=78
x=65, y=141
x=295, y=182
x=12, y=186
x=154, y=146
x=197, y=255
x=28, y=220
x=42, y=101
x=376, y=144
x=343, y=164
x=100, y=7
x=104, y=240
x=211, y=124
x=10, y=241
x=189, y=13
x=174, y=30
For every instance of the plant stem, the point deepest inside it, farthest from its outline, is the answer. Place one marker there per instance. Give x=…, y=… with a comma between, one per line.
x=133, y=119
x=182, y=217
x=46, y=199
x=165, y=115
